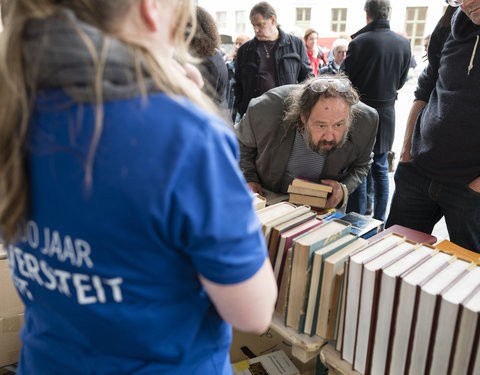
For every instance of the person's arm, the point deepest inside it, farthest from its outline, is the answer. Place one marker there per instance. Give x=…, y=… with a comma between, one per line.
x=417, y=105
x=475, y=185
x=237, y=86
x=248, y=149
x=348, y=65
x=255, y=187
x=249, y=305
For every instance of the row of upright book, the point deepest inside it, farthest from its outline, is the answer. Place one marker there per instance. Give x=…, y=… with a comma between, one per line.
x=412, y=308
x=306, y=249
x=390, y=304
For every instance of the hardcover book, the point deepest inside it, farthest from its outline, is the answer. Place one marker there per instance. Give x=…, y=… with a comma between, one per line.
x=464, y=352
x=332, y=264
x=286, y=241
x=443, y=327
x=363, y=226
x=414, y=318
x=354, y=275
x=303, y=249
x=387, y=298
x=300, y=182
x=316, y=280
x=369, y=292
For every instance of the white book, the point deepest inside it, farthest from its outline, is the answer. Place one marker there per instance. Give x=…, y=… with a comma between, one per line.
x=402, y=311
x=447, y=316
x=421, y=327
x=269, y=224
x=467, y=330
x=390, y=281
x=368, y=285
x=353, y=289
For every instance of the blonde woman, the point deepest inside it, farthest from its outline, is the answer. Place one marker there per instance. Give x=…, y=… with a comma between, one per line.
x=129, y=228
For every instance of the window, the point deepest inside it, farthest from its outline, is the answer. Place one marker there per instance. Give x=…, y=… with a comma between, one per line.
x=240, y=24
x=415, y=25
x=221, y=20
x=303, y=18
x=339, y=20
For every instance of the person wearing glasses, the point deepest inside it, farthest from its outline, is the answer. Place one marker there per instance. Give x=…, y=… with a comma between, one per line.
x=272, y=58
x=377, y=63
x=317, y=130
x=118, y=183
x=439, y=170
x=339, y=51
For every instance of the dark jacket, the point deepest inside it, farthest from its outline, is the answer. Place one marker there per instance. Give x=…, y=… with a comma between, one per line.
x=292, y=66
x=330, y=68
x=266, y=143
x=377, y=63
x=215, y=74
x=446, y=138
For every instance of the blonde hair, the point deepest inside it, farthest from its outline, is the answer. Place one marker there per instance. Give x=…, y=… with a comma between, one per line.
x=18, y=85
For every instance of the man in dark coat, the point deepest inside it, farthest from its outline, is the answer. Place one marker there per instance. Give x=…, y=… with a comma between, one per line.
x=273, y=58
x=377, y=63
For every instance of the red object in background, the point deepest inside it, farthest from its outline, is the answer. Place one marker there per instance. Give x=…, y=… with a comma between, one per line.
x=325, y=44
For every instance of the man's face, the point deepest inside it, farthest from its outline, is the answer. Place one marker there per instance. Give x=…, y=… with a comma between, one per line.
x=472, y=9
x=339, y=55
x=327, y=126
x=265, y=29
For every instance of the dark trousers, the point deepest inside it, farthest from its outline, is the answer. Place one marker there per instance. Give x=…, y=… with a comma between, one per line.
x=420, y=202
x=357, y=200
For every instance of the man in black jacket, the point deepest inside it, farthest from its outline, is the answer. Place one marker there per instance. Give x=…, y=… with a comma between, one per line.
x=377, y=63
x=273, y=58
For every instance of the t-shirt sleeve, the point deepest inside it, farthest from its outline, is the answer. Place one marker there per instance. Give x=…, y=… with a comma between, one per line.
x=212, y=216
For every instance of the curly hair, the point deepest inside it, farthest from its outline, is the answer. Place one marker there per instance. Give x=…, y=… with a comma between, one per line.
x=303, y=98
x=206, y=38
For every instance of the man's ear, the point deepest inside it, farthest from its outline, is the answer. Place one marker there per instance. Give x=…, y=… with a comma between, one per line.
x=274, y=20
x=302, y=117
x=149, y=10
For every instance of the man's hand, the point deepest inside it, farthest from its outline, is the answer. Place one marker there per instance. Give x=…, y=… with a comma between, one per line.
x=255, y=187
x=336, y=196
x=475, y=185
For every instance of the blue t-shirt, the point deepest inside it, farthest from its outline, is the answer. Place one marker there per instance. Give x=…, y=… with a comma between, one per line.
x=108, y=270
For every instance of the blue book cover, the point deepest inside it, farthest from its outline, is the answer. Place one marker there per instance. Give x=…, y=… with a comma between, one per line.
x=363, y=226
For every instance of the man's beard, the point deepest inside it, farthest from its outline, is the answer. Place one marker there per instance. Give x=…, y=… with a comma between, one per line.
x=317, y=147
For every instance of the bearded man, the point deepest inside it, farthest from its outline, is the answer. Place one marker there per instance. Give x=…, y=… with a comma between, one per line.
x=317, y=130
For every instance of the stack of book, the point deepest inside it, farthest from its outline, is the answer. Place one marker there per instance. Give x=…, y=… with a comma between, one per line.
x=307, y=192
x=411, y=308
x=259, y=201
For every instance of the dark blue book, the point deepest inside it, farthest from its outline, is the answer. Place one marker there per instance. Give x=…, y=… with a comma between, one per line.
x=363, y=226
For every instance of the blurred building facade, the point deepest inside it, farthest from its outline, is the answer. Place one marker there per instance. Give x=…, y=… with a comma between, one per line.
x=413, y=18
